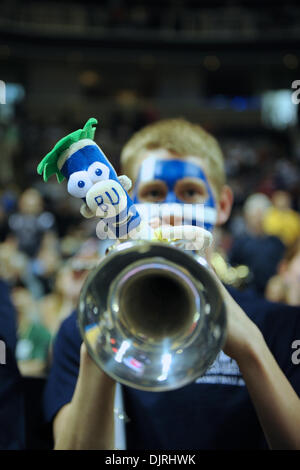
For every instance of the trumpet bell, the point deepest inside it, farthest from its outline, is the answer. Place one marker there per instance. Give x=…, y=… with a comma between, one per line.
x=152, y=316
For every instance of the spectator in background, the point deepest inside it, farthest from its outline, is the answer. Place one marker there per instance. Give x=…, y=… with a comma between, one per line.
x=31, y=222
x=12, y=430
x=285, y=285
x=281, y=220
x=57, y=305
x=33, y=337
x=33, y=231
x=47, y=261
x=3, y=225
x=260, y=252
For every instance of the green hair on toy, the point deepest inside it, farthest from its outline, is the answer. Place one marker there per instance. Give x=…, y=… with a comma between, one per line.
x=48, y=166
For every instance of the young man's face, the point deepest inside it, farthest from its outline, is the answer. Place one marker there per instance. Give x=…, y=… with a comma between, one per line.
x=179, y=185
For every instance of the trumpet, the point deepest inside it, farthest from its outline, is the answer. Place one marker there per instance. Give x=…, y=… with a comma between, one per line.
x=152, y=315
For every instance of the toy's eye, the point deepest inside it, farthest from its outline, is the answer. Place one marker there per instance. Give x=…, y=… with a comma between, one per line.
x=97, y=171
x=79, y=183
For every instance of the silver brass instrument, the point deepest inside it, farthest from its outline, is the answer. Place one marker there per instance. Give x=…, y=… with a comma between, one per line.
x=152, y=315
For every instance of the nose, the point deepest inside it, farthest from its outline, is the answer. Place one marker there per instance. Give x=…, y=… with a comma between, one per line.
x=170, y=198
x=171, y=219
x=172, y=214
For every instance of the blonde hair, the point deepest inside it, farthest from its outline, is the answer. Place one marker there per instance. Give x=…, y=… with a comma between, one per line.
x=180, y=136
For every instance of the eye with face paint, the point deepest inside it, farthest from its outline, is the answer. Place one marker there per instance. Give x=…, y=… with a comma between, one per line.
x=191, y=190
x=152, y=191
x=79, y=183
x=187, y=190
x=180, y=187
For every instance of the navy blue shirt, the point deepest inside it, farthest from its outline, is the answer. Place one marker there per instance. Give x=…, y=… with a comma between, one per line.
x=215, y=412
x=253, y=251
x=11, y=393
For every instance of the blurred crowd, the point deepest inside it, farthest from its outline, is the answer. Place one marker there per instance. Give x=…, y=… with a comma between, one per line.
x=47, y=248
x=44, y=257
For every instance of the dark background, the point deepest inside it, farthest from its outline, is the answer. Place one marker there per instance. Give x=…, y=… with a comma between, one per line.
x=129, y=63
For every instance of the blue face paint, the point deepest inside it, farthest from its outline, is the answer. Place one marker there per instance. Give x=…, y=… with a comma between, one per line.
x=170, y=172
